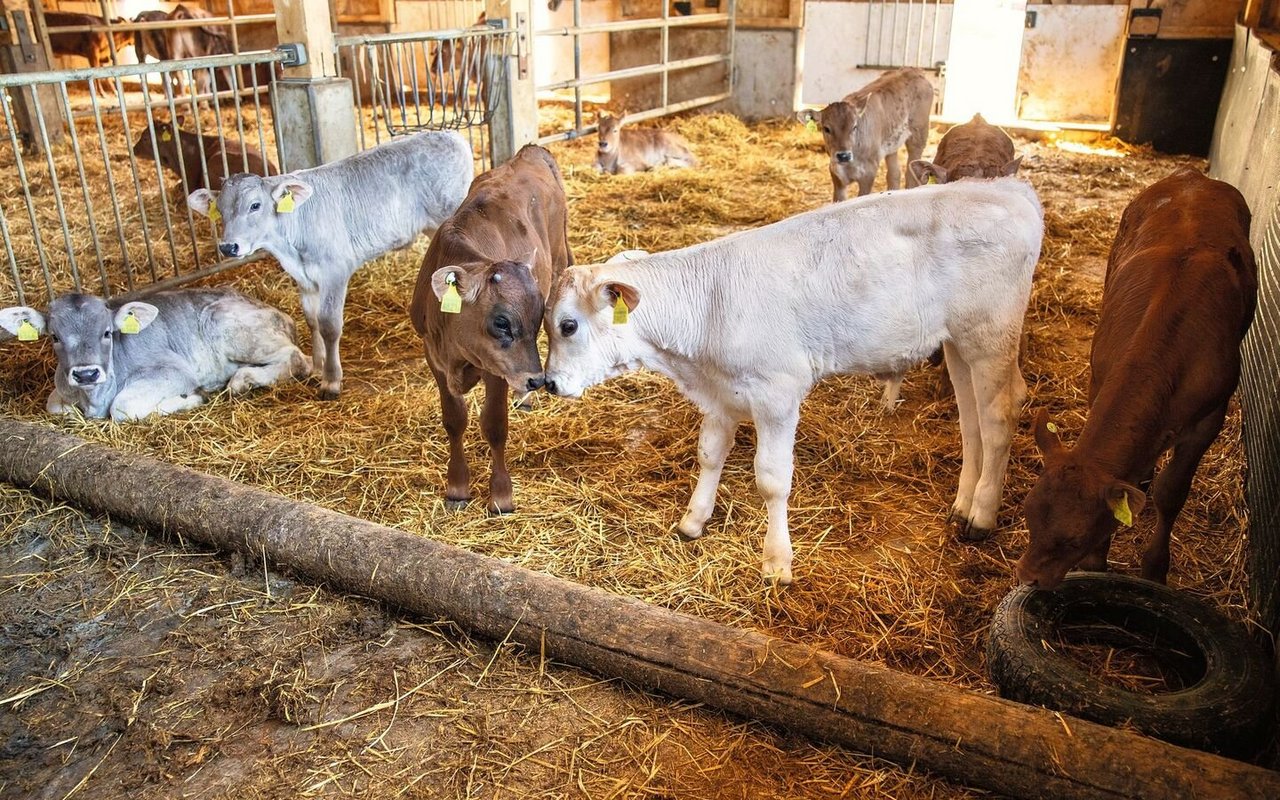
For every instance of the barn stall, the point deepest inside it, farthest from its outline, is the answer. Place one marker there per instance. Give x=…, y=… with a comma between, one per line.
x=249, y=681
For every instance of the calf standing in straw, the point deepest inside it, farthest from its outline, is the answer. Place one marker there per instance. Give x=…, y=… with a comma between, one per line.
x=322, y=224
x=479, y=300
x=622, y=152
x=747, y=324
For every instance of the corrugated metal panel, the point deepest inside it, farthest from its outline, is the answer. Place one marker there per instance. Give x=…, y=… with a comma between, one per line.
x=1260, y=397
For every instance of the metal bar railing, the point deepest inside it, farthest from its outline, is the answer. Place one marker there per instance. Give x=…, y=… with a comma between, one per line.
x=638, y=72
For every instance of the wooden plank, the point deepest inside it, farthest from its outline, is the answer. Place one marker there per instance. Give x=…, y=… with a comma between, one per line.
x=971, y=738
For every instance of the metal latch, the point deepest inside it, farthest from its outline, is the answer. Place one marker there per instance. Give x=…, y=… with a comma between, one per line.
x=295, y=54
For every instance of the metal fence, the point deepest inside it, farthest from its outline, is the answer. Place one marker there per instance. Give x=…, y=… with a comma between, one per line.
x=663, y=68
x=904, y=33
x=96, y=189
x=441, y=80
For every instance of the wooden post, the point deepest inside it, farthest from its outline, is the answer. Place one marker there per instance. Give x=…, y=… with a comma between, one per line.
x=968, y=737
x=20, y=52
x=314, y=106
x=515, y=121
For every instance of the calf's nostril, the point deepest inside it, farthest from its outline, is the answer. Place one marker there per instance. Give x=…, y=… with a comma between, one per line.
x=228, y=249
x=534, y=384
x=551, y=386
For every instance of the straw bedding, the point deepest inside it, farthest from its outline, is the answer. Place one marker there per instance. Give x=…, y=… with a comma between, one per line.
x=600, y=482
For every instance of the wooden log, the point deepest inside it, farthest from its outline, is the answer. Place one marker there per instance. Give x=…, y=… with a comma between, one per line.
x=968, y=737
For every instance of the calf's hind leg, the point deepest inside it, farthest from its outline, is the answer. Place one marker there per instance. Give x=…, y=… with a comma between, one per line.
x=997, y=391
x=775, y=446
x=263, y=341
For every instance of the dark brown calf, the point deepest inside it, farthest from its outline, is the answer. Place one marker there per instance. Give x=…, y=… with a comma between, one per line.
x=92, y=46
x=495, y=260
x=976, y=149
x=1179, y=297
x=196, y=150
x=871, y=125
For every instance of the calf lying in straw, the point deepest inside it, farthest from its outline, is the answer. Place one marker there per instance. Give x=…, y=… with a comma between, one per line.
x=638, y=149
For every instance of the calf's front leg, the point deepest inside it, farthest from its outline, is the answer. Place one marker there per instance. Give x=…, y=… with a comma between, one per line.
x=493, y=423
x=332, y=298
x=714, y=443
x=453, y=413
x=1169, y=491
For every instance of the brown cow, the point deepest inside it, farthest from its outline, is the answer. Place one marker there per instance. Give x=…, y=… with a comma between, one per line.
x=195, y=150
x=199, y=41
x=638, y=149
x=976, y=149
x=496, y=257
x=873, y=123
x=93, y=46
x=1179, y=296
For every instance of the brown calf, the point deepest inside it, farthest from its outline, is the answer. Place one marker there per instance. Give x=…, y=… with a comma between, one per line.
x=196, y=150
x=1179, y=296
x=638, y=149
x=873, y=123
x=495, y=258
x=976, y=149
x=199, y=41
x=93, y=46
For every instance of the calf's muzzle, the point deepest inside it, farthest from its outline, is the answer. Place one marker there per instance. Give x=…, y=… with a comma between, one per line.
x=535, y=383
x=844, y=156
x=86, y=376
x=229, y=249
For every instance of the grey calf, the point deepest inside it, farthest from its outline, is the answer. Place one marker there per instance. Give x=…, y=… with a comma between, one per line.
x=322, y=224
x=131, y=360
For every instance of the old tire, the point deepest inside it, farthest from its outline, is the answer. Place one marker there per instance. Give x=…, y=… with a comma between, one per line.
x=1225, y=706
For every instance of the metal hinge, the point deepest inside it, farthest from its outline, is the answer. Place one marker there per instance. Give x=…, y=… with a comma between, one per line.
x=295, y=54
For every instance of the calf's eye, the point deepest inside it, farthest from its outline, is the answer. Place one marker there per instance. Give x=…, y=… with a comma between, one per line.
x=568, y=327
x=106, y=335
x=255, y=206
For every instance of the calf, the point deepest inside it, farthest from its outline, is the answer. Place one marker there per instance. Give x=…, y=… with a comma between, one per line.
x=747, y=324
x=1178, y=298
x=131, y=360
x=198, y=41
x=93, y=46
x=976, y=149
x=191, y=156
x=322, y=224
x=873, y=123
x=494, y=260
x=155, y=43
x=638, y=149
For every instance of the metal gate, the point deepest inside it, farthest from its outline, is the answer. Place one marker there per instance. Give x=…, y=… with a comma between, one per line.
x=904, y=33
x=91, y=202
x=651, y=23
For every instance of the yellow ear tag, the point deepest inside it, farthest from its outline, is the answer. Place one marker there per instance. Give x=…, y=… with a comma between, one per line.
x=932, y=178
x=166, y=136
x=27, y=332
x=285, y=204
x=811, y=125
x=214, y=214
x=620, y=311
x=130, y=324
x=1120, y=509
x=1052, y=428
x=451, y=303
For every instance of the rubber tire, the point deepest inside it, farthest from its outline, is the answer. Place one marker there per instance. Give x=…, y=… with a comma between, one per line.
x=1227, y=711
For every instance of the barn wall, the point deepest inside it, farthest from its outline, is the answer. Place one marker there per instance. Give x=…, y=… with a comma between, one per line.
x=1246, y=153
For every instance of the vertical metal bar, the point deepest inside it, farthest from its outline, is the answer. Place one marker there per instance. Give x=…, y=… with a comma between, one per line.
x=137, y=190
x=111, y=190
x=356, y=81
x=13, y=262
x=413, y=74
x=275, y=126
x=375, y=88
x=933, y=45
x=22, y=176
x=164, y=192
x=235, y=29
x=238, y=102
x=84, y=184
x=257, y=111
x=55, y=184
x=666, y=52
x=184, y=172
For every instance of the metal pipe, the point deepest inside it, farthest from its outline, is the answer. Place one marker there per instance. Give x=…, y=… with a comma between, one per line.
x=136, y=70
x=636, y=72
x=84, y=187
x=115, y=198
x=22, y=177
x=674, y=108
x=137, y=190
x=55, y=184
x=696, y=20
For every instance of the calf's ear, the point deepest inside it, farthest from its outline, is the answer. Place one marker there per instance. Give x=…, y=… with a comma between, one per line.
x=807, y=115
x=1047, y=436
x=468, y=285
x=144, y=313
x=12, y=319
x=1012, y=167
x=300, y=190
x=922, y=170
x=200, y=200
x=608, y=292
x=1125, y=501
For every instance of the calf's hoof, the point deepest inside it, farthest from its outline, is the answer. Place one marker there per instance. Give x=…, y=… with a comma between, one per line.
x=688, y=532
x=777, y=575
x=501, y=509
x=966, y=531
x=451, y=504
x=328, y=394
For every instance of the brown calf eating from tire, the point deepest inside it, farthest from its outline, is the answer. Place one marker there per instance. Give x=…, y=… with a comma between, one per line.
x=1179, y=296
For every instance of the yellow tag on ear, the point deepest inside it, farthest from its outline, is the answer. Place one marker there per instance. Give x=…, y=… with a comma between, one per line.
x=130, y=324
x=166, y=136
x=285, y=204
x=620, y=311
x=932, y=178
x=451, y=303
x=1052, y=428
x=214, y=213
x=1120, y=509
x=811, y=125
x=27, y=332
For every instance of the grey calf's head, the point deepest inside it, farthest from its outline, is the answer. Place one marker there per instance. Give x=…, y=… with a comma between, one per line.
x=250, y=208
x=83, y=330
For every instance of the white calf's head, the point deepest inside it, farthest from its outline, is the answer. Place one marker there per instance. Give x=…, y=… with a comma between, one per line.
x=250, y=208
x=84, y=332
x=587, y=326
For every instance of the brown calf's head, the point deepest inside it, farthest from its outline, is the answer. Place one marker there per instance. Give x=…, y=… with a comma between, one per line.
x=1072, y=511
x=496, y=328
x=840, y=122
x=610, y=133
